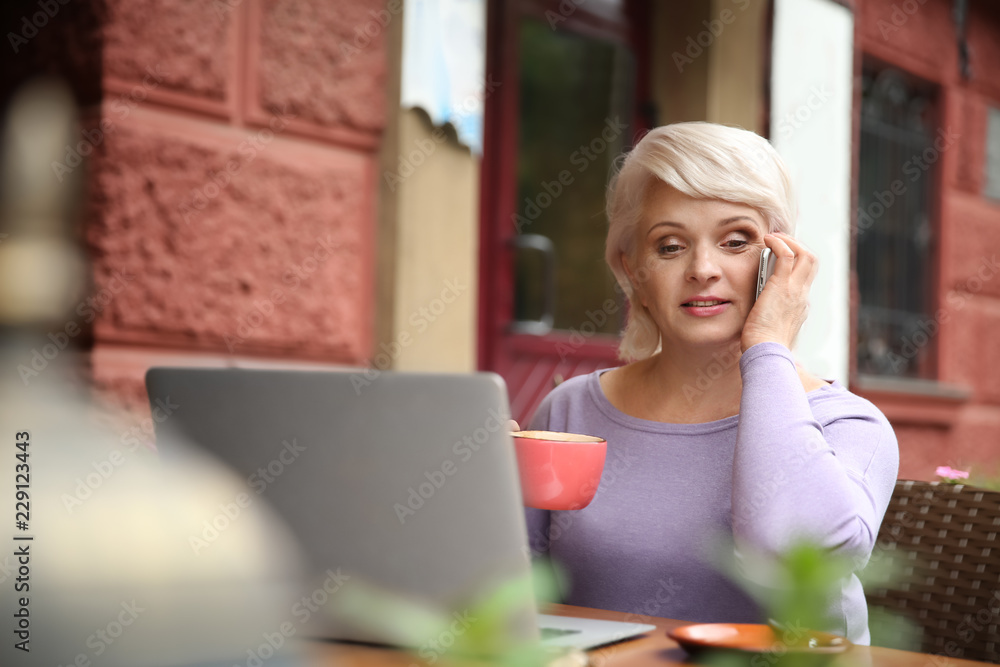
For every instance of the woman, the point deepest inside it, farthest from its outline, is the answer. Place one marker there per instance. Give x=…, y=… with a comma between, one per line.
x=712, y=429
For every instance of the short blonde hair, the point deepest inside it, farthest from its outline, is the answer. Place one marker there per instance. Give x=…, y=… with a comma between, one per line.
x=702, y=160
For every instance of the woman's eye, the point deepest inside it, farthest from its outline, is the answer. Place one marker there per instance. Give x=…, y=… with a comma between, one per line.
x=669, y=248
x=735, y=243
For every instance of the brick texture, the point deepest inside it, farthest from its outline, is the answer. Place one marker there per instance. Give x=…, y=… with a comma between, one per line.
x=972, y=267
x=974, y=357
x=273, y=260
x=317, y=61
x=921, y=450
x=186, y=39
x=965, y=116
x=983, y=28
x=918, y=36
x=975, y=442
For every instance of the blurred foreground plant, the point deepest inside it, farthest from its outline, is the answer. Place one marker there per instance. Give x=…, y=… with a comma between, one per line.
x=797, y=593
x=489, y=630
x=796, y=590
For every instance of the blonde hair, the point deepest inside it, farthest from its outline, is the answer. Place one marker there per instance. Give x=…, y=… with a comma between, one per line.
x=702, y=160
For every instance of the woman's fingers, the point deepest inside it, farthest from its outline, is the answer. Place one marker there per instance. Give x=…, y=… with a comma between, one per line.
x=797, y=247
x=778, y=244
x=783, y=253
x=806, y=262
x=799, y=258
x=778, y=314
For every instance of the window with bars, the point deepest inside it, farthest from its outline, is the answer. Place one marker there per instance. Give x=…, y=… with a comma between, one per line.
x=899, y=157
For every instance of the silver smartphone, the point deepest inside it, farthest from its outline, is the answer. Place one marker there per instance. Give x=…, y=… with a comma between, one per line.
x=765, y=270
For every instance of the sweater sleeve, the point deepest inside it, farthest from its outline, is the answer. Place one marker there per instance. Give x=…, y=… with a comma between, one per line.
x=794, y=478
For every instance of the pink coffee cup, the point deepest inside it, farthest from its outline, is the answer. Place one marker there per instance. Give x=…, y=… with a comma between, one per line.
x=559, y=471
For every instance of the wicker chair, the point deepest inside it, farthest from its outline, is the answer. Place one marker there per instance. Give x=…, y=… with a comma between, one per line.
x=945, y=541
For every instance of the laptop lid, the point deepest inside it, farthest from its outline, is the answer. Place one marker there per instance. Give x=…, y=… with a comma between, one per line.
x=406, y=481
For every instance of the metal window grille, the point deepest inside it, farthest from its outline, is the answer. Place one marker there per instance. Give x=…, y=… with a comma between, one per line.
x=894, y=227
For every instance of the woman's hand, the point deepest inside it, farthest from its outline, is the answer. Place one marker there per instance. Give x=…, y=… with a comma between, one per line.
x=784, y=303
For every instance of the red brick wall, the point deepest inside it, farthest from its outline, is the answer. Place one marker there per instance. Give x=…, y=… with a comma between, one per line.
x=919, y=37
x=234, y=184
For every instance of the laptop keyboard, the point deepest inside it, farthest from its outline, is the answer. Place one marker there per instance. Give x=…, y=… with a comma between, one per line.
x=549, y=633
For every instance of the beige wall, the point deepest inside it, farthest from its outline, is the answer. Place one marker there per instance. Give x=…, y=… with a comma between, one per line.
x=437, y=249
x=679, y=86
x=428, y=240
x=698, y=75
x=736, y=67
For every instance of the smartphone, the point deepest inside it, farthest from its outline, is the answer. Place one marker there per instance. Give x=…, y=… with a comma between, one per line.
x=765, y=270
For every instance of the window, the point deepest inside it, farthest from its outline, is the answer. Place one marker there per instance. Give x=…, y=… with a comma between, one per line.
x=575, y=94
x=900, y=152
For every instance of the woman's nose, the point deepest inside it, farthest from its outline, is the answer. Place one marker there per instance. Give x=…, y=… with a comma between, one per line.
x=702, y=266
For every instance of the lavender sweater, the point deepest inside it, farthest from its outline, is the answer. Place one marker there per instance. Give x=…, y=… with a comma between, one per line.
x=820, y=465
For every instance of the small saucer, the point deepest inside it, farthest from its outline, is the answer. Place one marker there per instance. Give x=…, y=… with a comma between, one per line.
x=753, y=638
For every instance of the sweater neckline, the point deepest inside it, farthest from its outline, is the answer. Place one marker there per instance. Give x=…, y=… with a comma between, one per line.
x=611, y=412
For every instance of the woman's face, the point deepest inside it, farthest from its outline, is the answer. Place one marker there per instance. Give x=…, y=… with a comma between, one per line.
x=696, y=265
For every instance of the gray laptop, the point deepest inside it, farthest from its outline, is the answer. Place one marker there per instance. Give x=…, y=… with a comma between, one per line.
x=407, y=481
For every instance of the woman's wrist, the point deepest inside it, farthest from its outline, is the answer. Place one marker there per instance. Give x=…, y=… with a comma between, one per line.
x=764, y=349
x=758, y=340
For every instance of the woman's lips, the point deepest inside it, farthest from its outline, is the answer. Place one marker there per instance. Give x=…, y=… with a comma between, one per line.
x=706, y=311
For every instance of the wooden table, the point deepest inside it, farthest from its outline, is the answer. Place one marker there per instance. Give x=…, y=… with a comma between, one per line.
x=651, y=649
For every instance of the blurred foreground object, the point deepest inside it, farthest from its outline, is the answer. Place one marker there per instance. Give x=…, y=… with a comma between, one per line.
x=100, y=562
x=796, y=591
x=40, y=267
x=488, y=637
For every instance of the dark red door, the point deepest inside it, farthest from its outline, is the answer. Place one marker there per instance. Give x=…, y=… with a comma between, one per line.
x=570, y=78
